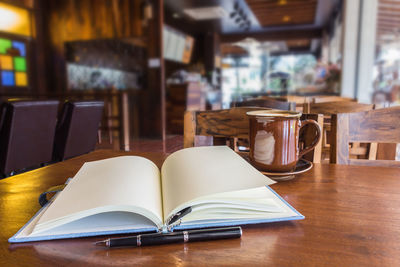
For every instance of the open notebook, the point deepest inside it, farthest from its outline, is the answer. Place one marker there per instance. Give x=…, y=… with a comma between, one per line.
x=129, y=194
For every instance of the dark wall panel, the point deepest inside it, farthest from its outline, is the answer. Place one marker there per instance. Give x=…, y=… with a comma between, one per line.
x=84, y=20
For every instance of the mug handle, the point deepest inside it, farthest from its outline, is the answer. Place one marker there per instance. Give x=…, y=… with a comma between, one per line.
x=316, y=139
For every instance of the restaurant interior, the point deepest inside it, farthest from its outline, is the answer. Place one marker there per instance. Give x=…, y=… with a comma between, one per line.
x=86, y=80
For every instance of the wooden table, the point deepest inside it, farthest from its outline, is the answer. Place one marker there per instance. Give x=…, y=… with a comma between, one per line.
x=352, y=219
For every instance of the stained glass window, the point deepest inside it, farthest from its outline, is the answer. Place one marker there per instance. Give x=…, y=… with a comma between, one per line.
x=7, y=78
x=5, y=44
x=21, y=79
x=21, y=47
x=6, y=62
x=19, y=64
x=13, y=63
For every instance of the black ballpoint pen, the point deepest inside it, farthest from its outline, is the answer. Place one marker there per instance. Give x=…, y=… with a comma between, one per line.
x=173, y=237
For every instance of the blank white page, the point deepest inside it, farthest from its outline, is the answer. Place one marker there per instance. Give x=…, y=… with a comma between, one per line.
x=255, y=203
x=109, y=221
x=200, y=171
x=120, y=181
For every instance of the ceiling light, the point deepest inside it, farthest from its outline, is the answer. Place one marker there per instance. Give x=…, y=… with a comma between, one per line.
x=14, y=20
x=206, y=13
x=282, y=2
x=286, y=18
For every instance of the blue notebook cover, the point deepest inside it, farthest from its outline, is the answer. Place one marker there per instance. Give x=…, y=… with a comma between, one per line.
x=16, y=239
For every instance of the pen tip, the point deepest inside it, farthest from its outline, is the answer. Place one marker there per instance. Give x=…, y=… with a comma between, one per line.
x=100, y=243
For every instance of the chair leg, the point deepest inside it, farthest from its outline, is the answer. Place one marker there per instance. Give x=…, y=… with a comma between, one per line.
x=235, y=144
x=110, y=123
x=99, y=136
x=373, y=149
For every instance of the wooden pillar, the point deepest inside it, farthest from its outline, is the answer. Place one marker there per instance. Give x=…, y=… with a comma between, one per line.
x=154, y=110
x=211, y=52
x=38, y=55
x=124, y=121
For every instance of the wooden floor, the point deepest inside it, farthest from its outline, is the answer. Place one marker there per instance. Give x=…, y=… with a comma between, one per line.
x=173, y=143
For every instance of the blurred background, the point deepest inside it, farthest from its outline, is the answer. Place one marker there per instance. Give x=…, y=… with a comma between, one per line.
x=168, y=56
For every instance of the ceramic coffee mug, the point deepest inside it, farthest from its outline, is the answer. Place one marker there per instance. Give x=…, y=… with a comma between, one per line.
x=274, y=139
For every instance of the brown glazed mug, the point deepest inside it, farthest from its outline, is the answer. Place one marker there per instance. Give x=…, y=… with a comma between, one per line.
x=274, y=139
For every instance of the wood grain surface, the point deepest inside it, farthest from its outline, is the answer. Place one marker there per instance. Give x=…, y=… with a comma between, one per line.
x=266, y=103
x=228, y=123
x=380, y=125
x=307, y=136
x=352, y=219
x=329, y=108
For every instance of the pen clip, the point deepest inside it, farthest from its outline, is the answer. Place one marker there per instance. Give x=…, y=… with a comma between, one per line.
x=179, y=215
x=175, y=219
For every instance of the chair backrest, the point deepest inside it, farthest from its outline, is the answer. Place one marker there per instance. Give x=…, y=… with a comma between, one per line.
x=234, y=123
x=77, y=128
x=331, y=98
x=26, y=134
x=226, y=123
x=329, y=108
x=381, y=125
x=299, y=100
x=267, y=103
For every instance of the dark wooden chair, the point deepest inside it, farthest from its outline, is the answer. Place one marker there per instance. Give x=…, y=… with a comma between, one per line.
x=77, y=128
x=26, y=134
x=381, y=125
x=231, y=124
x=267, y=103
